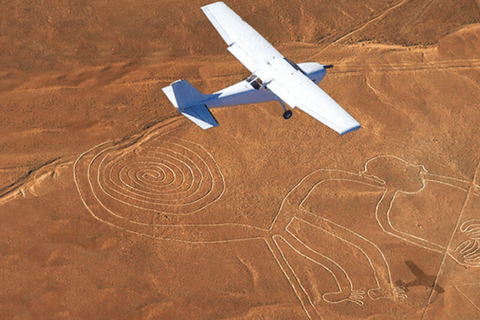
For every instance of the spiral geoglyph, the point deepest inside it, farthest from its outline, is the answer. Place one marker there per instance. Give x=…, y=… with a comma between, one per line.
x=130, y=183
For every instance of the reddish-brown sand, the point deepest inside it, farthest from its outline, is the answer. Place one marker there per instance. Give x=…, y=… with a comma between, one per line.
x=112, y=206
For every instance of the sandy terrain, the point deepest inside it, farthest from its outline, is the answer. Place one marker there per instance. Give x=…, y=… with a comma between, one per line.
x=114, y=207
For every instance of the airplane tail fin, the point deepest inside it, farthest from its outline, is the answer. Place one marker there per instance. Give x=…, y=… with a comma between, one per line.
x=191, y=103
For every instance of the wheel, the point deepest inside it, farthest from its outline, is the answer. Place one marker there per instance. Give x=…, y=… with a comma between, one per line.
x=287, y=114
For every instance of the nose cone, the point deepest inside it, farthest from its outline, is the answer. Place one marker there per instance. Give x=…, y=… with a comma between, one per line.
x=315, y=71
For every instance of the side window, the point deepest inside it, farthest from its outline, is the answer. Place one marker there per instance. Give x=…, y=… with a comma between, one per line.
x=254, y=81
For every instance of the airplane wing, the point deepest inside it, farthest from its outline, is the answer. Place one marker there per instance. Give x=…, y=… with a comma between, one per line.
x=299, y=91
x=244, y=42
x=280, y=77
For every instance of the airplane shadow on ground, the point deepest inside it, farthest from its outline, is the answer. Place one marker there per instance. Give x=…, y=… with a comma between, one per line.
x=421, y=279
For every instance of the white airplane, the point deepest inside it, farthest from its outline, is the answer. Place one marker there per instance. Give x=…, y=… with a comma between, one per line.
x=274, y=77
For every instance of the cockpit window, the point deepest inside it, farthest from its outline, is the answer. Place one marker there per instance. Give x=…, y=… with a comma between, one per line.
x=251, y=78
x=254, y=81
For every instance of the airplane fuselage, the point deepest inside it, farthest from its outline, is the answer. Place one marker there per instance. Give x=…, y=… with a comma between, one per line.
x=251, y=90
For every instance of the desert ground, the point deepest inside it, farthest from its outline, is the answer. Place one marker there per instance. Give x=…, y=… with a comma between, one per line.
x=114, y=206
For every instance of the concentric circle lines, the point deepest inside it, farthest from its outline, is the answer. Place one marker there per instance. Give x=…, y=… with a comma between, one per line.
x=131, y=183
x=178, y=194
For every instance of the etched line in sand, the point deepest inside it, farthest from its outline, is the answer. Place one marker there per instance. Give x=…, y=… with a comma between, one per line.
x=455, y=64
x=414, y=180
x=128, y=184
x=429, y=66
x=471, y=228
x=467, y=297
x=185, y=168
x=468, y=251
x=380, y=16
x=292, y=207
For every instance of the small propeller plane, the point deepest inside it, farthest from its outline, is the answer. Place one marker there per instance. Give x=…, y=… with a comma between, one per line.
x=274, y=77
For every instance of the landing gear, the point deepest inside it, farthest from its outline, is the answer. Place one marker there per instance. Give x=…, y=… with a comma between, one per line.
x=287, y=114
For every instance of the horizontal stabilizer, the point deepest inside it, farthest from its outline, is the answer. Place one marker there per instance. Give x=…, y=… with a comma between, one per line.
x=190, y=102
x=201, y=116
